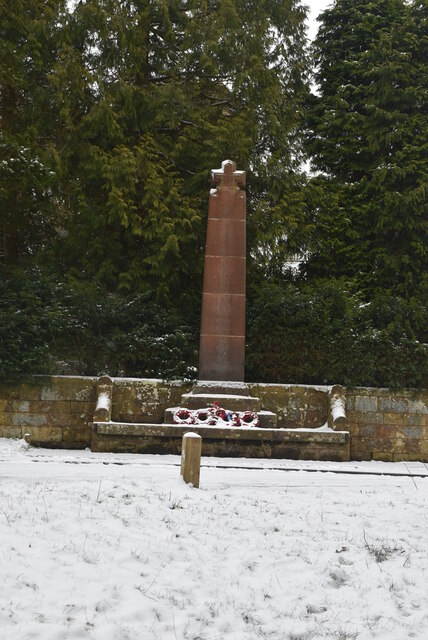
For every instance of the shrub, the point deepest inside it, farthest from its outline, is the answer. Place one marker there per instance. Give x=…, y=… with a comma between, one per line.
x=323, y=333
x=76, y=328
x=28, y=321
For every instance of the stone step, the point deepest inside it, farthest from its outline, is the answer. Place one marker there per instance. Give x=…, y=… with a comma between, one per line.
x=267, y=419
x=226, y=401
x=222, y=441
x=217, y=386
x=233, y=433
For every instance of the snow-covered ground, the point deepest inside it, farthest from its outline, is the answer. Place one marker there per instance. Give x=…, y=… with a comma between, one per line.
x=90, y=548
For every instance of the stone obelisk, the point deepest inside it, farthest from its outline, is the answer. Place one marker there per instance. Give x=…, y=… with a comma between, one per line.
x=222, y=346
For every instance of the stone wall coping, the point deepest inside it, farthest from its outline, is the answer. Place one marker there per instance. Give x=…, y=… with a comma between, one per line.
x=171, y=383
x=45, y=376
x=178, y=383
x=220, y=396
x=290, y=385
x=392, y=392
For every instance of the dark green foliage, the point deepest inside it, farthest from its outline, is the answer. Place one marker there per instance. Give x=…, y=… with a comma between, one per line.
x=151, y=97
x=112, y=115
x=321, y=333
x=49, y=327
x=124, y=335
x=368, y=134
x=29, y=321
x=29, y=40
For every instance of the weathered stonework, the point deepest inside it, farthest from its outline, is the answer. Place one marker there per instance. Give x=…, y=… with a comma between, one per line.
x=222, y=341
x=388, y=425
x=52, y=412
x=295, y=405
x=58, y=412
x=103, y=407
x=225, y=442
x=145, y=400
x=337, y=418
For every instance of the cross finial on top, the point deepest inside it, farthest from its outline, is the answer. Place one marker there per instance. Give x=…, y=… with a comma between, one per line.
x=227, y=176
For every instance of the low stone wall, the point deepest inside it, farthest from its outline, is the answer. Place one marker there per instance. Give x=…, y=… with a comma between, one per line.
x=295, y=405
x=53, y=411
x=58, y=411
x=145, y=400
x=388, y=425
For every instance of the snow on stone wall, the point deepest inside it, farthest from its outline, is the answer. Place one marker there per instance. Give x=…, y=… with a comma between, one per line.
x=57, y=412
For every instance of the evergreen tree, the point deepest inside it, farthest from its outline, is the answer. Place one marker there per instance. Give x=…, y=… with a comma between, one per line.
x=172, y=88
x=28, y=48
x=367, y=135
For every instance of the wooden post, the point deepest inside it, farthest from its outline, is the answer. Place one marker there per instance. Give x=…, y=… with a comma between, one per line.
x=191, y=458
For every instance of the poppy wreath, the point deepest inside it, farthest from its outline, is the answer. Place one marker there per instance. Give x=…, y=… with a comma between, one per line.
x=216, y=416
x=183, y=416
x=235, y=420
x=249, y=419
x=205, y=416
x=219, y=413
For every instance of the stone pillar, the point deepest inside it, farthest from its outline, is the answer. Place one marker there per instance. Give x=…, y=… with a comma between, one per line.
x=104, y=399
x=222, y=346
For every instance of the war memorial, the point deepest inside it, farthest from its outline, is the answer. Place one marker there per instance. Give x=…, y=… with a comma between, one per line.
x=234, y=418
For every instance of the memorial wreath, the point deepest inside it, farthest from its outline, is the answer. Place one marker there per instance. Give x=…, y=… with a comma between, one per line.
x=216, y=416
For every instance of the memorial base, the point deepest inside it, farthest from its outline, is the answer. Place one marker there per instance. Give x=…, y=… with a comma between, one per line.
x=263, y=441
x=240, y=442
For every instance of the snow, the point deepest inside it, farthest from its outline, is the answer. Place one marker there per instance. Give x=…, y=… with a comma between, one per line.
x=316, y=387
x=338, y=408
x=105, y=547
x=103, y=402
x=323, y=428
x=223, y=397
x=293, y=266
x=215, y=384
x=143, y=381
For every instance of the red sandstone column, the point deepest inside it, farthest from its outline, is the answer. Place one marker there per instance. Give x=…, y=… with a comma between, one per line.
x=222, y=347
